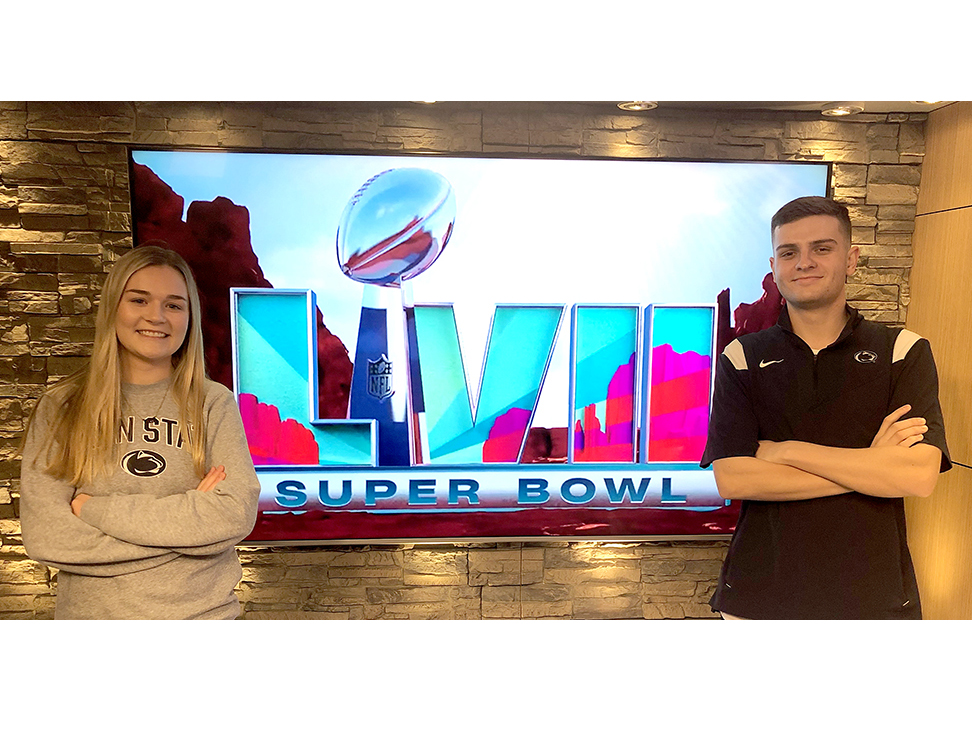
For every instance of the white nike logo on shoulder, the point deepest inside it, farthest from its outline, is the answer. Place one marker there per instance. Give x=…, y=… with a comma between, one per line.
x=767, y=364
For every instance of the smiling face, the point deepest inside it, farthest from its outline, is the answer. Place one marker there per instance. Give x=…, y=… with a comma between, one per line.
x=151, y=323
x=812, y=258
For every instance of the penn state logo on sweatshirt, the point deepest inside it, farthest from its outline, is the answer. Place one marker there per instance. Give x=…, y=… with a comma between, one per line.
x=148, y=462
x=143, y=464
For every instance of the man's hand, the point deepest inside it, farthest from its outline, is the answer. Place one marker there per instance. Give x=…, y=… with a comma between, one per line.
x=770, y=451
x=212, y=479
x=894, y=431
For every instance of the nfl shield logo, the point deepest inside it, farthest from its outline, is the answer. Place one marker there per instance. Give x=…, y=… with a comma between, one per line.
x=380, y=378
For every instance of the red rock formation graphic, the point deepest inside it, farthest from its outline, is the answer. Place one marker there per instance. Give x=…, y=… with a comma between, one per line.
x=273, y=442
x=215, y=241
x=545, y=445
x=724, y=330
x=762, y=313
x=755, y=317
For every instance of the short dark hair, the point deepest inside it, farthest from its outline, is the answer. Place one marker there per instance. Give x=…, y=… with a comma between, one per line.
x=804, y=207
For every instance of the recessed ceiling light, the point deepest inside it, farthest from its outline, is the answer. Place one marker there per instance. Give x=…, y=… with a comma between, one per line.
x=637, y=105
x=842, y=108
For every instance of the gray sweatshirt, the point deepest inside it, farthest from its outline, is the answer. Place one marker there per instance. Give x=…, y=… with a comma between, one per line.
x=147, y=544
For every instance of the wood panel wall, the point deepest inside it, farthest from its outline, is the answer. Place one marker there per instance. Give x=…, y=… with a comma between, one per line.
x=940, y=526
x=946, y=181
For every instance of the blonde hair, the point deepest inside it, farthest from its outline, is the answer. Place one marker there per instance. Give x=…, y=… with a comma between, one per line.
x=89, y=402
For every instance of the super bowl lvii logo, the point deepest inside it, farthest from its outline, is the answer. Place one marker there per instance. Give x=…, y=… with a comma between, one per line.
x=640, y=381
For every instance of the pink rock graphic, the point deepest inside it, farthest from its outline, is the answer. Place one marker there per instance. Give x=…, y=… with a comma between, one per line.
x=667, y=364
x=503, y=444
x=273, y=442
x=613, y=442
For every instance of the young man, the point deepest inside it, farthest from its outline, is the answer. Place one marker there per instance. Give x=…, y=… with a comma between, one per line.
x=820, y=425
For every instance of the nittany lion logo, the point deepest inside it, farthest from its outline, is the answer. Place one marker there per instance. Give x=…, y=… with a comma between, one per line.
x=866, y=356
x=143, y=463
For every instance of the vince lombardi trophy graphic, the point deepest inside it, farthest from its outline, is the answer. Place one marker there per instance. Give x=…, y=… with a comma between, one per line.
x=392, y=229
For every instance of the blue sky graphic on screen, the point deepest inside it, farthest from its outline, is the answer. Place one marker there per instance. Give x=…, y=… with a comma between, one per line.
x=482, y=299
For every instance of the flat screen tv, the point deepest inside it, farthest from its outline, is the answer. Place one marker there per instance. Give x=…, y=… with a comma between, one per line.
x=432, y=347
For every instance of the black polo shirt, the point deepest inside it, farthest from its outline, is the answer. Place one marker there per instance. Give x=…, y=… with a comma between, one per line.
x=835, y=557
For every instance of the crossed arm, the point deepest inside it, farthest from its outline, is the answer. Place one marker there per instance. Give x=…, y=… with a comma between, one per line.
x=204, y=521
x=209, y=482
x=896, y=464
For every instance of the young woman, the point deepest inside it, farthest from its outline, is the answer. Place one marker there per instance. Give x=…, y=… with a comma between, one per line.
x=136, y=481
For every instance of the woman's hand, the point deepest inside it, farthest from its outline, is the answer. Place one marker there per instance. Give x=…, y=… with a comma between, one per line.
x=212, y=479
x=78, y=503
x=900, y=432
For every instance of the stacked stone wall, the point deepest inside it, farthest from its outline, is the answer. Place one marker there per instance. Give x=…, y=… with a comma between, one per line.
x=65, y=217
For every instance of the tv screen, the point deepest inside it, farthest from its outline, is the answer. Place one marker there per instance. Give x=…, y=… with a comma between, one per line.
x=430, y=347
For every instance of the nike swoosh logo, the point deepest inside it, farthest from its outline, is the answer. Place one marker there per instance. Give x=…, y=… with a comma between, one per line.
x=767, y=364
